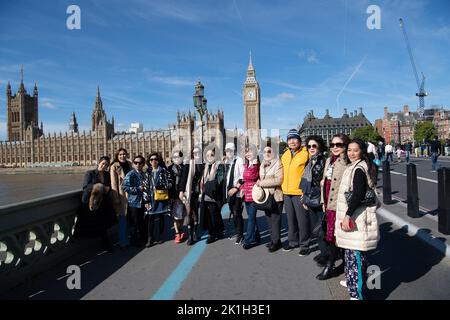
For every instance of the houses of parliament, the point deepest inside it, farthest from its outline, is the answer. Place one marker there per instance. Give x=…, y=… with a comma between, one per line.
x=27, y=145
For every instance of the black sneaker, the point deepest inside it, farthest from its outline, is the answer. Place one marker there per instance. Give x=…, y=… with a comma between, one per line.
x=275, y=247
x=210, y=239
x=289, y=248
x=304, y=252
x=239, y=240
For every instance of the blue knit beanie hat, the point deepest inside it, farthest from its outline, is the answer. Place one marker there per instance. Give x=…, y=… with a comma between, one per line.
x=293, y=133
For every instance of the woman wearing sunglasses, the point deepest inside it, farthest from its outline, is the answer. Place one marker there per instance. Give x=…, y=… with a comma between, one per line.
x=211, y=187
x=332, y=176
x=157, y=184
x=133, y=186
x=310, y=185
x=271, y=178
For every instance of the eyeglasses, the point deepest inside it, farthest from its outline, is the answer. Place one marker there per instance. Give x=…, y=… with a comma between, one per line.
x=337, y=145
x=312, y=146
x=153, y=159
x=138, y=162
x=267, y=151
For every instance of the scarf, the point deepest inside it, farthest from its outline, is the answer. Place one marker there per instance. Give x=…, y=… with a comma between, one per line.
x=190, y=178
x=306, y=182
x=333, y=159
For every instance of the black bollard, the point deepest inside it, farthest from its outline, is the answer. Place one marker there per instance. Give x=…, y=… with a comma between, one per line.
x=387, y=190
x=412, y=191
x=444, y=200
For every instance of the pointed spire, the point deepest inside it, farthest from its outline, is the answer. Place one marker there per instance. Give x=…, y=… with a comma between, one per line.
x=35, y=91
x=8, y=89
x=250, y=64
x=21, y=87
x=98, y=100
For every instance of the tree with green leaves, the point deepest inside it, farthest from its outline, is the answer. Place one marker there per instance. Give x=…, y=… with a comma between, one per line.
x=367, y=133
x=424, y=131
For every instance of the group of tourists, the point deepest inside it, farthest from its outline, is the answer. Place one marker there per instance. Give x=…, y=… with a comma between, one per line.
x=329, y=199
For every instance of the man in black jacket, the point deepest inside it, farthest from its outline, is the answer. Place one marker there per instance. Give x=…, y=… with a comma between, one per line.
x=435, y=149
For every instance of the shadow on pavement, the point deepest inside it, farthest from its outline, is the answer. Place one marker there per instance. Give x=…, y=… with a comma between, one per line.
x=402, y=259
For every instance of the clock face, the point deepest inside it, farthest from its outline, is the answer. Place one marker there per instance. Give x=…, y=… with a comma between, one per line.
x=251, y=94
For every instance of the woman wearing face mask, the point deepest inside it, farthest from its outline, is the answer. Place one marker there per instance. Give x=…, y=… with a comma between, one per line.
x=251, y=176
x=310, y=184
x=177, y=207
x=234, y=169
x=96, y=220
x=271, y=178
x=211, y=187
x=190, y=192
x=332, y=176
x=356, y=221
x=119, y=169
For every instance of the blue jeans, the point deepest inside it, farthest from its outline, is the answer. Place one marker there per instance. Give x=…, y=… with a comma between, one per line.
x=434, y=158
x=252, y=227
x=407, y=156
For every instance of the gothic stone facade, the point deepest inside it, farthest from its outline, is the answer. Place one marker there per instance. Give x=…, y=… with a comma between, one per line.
x=32, y=148
x=329, y=126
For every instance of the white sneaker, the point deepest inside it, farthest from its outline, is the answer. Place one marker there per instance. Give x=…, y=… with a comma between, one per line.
x=343, y=283
x=354, y=299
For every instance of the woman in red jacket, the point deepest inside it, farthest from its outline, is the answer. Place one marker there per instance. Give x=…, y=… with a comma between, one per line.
x=251, y=175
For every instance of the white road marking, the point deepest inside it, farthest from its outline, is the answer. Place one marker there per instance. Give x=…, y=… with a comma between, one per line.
x=413, y=231
x=35, y=294
x=85, y=263
x=418, y=178
x=65, y=276
x=404, y=205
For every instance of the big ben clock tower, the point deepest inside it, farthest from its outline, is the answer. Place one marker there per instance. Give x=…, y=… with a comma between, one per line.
x=252, y=106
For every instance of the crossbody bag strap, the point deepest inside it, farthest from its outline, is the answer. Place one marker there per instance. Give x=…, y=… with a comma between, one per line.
x=352, y=173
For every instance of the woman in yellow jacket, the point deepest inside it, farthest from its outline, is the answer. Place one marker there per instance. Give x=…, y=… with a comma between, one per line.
x=294, y=160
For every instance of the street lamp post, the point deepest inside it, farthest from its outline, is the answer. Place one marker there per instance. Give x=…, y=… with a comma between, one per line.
x=200, y=104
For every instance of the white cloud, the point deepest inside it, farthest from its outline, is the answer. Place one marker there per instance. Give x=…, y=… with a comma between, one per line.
x=47, y=103
x=175, y=81
x=278, y=100
x=309, y=55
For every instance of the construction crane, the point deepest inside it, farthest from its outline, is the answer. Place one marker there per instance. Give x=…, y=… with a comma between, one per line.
x=420, y=84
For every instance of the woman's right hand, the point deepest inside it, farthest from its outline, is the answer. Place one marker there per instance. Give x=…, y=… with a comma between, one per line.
x=324, y=207
x=232, y=192
x=148, y=206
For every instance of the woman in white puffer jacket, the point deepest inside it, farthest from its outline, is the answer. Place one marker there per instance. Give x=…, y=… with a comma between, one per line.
x=356, y=223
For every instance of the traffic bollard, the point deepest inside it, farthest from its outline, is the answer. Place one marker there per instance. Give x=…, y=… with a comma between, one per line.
x=387, y=190
x=444, y=200
x=412, y=191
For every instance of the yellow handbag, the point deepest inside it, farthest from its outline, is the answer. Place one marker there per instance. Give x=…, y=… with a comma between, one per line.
x=161, y=195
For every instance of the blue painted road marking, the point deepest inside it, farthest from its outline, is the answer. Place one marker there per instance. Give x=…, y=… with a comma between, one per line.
x=173, y=283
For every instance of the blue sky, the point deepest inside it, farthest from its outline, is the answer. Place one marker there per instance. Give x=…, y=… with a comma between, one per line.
x=146, y=56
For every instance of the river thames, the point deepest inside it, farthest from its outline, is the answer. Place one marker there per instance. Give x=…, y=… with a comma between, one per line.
x=21, y=187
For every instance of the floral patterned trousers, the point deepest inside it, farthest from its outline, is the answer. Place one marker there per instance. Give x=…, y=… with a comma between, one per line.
x=355, y=268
